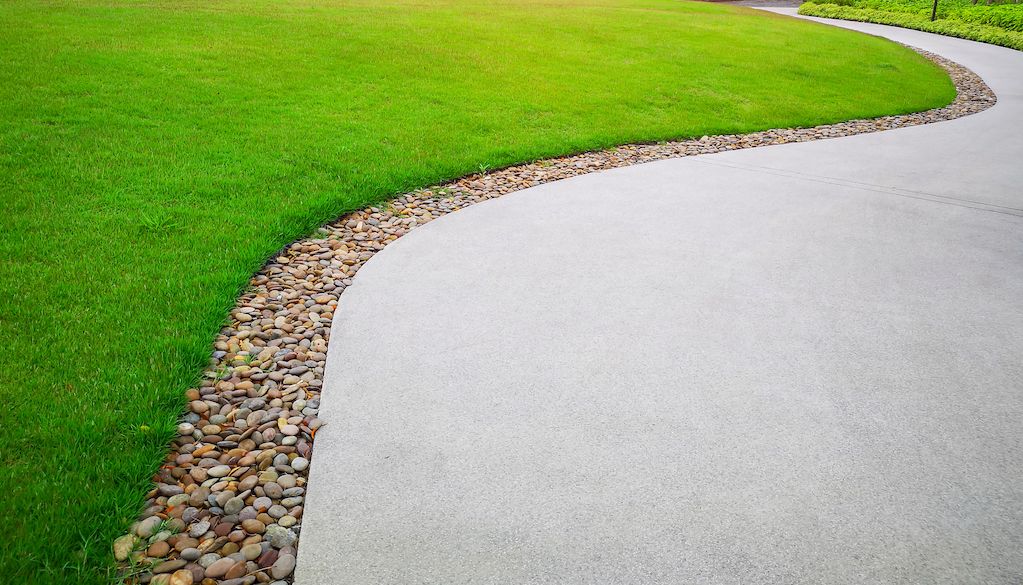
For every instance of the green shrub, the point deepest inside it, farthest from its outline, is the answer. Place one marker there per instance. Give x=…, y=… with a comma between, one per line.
x=998, y=24
x=1007, y=16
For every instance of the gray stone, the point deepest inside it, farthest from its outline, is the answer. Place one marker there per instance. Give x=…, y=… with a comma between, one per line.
x=148, y=526
x=278, y=536
x=234, y=505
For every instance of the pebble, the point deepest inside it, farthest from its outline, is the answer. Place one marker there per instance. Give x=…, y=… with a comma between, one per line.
x=208, y=559
x=268, y=558
x=220, y=568
x=283, y=567
x=148, y=527
x=169, y=490
x=278, y=536
x=287, y=521
x=177, y=500
x=169, y=566
x=158, y=549
x=236, y=570
x=234, y=505
x=123, y=546
x=253, y=526
x=251, y=552
x=234, y=483
x=199, y=528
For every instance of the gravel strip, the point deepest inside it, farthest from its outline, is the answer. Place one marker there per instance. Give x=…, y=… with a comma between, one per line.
x=227, y=506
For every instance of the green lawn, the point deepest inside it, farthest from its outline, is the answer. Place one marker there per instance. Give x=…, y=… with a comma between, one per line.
x=996, y=22
x=153, y=154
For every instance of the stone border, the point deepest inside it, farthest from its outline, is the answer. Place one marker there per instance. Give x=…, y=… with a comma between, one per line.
x=228, y=502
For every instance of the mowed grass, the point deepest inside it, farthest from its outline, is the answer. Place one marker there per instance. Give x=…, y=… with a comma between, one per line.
x=154, y=154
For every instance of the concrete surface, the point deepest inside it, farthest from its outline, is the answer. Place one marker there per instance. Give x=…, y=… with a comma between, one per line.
x=794, y=364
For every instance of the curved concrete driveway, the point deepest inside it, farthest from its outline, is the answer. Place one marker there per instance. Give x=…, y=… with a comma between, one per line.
x=794, y=364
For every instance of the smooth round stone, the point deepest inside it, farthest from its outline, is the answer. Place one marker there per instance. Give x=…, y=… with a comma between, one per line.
x=253, y=526
x=222, y=498
x=206, y=560
x=273, y=490
x=219, y=471
x=287, y=521
x=186, y=428
x=290, y=430
x=182, y=542
x=147, y=527
x=191, y=554
x=236, y=570
x=169, y=566
x=299, y=463
x=220, y=568
x=123, y=546
x=268, y=558
x=287, y=481
x=199, y=528
x=277, y=511
x=234, y=505
x=169, y=490
x=248, y=483
x=158, y=549
x=199, y=495
x=251, y=552
x=182, y=577
x=289, y=441
x=283, y=567
x=262, y=503
x=177, y=500
x=189, y=515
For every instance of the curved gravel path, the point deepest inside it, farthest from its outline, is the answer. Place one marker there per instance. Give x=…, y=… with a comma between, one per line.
x=798, y=363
